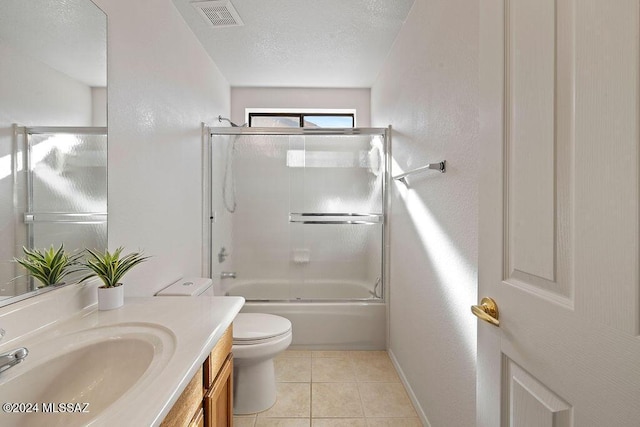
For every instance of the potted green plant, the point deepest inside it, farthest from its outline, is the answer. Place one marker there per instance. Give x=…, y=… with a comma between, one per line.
x=110, y=268
x=49, y=266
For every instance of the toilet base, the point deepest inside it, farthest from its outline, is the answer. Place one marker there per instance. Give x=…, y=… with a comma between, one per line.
x=254, y=387
x=254, y=379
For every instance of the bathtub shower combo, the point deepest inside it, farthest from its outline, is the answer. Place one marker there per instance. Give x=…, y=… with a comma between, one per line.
x=298, y=227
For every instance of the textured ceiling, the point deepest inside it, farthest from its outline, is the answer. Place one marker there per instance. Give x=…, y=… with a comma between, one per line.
x=68, y=35
x=302, y=43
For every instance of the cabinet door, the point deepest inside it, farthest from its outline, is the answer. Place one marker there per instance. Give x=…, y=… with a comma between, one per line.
x=218, y=401
x=198, y=419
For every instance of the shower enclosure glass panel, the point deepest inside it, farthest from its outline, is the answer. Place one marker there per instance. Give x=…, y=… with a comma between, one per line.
x=302, y=215
x=66, y=189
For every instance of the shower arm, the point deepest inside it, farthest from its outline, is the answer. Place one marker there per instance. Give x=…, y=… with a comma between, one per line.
x=221, y=119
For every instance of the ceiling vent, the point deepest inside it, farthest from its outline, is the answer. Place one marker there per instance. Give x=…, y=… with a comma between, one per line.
x=218, y=14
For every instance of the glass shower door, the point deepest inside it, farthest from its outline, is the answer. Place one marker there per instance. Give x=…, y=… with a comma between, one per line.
x=301, y=215
x=66, y=188
x=249, y=215
x=336, y=216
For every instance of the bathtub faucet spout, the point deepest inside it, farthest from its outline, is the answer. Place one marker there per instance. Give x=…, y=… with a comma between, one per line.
x=228, y=275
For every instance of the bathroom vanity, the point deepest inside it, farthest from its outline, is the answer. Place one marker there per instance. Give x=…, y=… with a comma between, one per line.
x=154, y=361
x=208, y=398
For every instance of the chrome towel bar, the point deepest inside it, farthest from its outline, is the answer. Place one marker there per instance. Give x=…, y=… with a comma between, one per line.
x=67, y=217
x=78, y=130
x=440, y=166
x=335, y=218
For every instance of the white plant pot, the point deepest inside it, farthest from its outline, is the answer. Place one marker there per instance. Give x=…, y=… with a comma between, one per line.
x=110, y=298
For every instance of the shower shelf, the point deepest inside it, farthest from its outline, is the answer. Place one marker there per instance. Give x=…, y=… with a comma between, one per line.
x=336, y=218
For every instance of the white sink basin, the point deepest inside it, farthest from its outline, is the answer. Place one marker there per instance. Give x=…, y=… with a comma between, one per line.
x=96, y=367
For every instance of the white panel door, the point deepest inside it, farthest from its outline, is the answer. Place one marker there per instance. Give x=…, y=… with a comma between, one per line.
x=559, y=213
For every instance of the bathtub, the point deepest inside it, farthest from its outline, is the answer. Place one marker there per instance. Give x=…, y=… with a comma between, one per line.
x=322, y=316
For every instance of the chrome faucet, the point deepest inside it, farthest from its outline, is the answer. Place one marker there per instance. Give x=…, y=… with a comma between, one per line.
x=228, y=275
x=13, y=357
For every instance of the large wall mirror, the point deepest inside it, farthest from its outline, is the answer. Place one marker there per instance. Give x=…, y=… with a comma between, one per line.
x=53, y=134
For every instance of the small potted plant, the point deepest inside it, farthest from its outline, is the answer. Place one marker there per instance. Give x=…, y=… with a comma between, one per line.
x=49, y=266
x=110, y=268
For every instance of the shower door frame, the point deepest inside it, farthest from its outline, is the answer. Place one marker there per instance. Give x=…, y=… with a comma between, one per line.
x=209, y=215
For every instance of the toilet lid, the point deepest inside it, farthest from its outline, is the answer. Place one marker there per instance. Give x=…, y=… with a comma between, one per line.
x=249, y=327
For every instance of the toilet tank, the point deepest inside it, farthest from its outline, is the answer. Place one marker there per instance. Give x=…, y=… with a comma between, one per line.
x=189, y=287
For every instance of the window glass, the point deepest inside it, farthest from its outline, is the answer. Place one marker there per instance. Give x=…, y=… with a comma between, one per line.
x=301, y=119
x=330, y=121
x=266, y=121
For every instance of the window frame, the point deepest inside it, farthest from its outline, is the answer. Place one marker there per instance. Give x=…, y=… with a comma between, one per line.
x=301, y=116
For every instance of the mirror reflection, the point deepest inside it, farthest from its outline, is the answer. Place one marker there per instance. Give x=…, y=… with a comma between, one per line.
x=53, y=135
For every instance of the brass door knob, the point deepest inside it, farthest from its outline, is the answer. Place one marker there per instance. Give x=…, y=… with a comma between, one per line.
x=487, y=311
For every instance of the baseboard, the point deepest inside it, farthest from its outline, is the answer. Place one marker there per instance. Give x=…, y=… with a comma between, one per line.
x=407, y=386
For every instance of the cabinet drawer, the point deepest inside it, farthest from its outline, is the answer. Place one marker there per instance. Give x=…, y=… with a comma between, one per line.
x=187, y=405
x=218, y=402
x=218, y=355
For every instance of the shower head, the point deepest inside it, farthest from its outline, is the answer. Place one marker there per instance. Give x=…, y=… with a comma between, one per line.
x=220, y=119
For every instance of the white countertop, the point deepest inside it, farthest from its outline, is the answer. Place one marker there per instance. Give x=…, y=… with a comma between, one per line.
x=193, y=327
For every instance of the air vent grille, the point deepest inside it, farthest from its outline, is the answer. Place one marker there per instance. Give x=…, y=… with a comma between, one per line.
x=218, y=13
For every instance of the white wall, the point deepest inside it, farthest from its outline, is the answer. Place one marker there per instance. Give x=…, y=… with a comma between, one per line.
x=162, y=85
x=293, y=98
x=428, y=92
x=99, y=106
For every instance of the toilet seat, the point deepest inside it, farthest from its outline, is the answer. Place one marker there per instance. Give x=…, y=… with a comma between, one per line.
x=259, y=328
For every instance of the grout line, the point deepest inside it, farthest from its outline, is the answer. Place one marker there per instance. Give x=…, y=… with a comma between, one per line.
x=311, y=398
x=311, y=369
x=310, y=388
x=364, y=414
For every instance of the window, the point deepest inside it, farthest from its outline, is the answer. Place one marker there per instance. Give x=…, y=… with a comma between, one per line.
x=317, y=120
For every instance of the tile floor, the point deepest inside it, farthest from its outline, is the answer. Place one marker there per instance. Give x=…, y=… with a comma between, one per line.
x=336, y=388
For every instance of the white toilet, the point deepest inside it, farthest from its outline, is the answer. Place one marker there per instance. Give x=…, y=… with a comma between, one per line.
x=257, y=339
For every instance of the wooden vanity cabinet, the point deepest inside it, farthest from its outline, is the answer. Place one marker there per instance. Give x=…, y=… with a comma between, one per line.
x=208, y=398
x=188, y=405
x=198, y=419
x=218, y=401
x=218, y=383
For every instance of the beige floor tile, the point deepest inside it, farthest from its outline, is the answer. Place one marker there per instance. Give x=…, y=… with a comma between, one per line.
x=393, y=422
x=346, y=387
x=244, y=421
x=282, y=422
x=294, y=353
x=375, y=369
x=330, y=353
x=368, y=354
x=293, y=369
x=338, y=422
x=335, y=400
x=385, y=400
x=332, y=370
x=294, y=401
